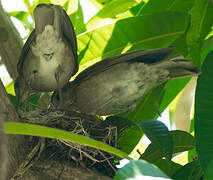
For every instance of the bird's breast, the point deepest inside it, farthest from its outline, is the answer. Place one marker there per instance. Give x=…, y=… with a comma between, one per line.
x=52, y=56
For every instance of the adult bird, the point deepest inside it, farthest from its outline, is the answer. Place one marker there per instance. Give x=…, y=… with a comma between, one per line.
x=116, y=84
x=49, y=56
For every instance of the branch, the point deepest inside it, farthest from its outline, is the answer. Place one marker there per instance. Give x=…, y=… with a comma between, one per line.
x=15, y=151
x=11, y=48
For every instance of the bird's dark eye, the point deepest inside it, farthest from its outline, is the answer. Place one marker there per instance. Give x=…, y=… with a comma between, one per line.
x=35, y=71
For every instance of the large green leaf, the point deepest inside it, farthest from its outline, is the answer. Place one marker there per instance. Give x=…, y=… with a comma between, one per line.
x=129, y=139
x=209, y=171
x=168, y=167
x=159, y=135
x=20, y=15
x=182, y=141
x=37, y=130
x=140, y=32
x=129, y=134
x=154, y=6
x=111, y=10
x=173, y=87
x=136, y=10
x=201, y=22
x=190, y=171
x=140, y=170
x=203, y=113
x=100, y=3
x=76, y=16
x=206, y=48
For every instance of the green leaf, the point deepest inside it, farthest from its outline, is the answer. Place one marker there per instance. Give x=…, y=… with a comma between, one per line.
x=137, y=9
x=140, y=32
x=173, y=87
x=129, y=134
x=201, y=22
x=154, y=6
x=209, y=171
x=129, y=139
x=159, y=135
x=100, y=3
x=182, y=141
x=77, y=17
x=180, y=46
x=168, y=167
x=10, y=88
x=111, y=10
x=37, y=130
x=73, y=6
x=203, y=113
x=140, y=170
x=3, y=34
x=206, y=48
x=190, y=171
x=20, y=15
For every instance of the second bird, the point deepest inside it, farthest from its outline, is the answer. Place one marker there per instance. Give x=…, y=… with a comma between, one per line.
x=49, y=56
x=116, y=84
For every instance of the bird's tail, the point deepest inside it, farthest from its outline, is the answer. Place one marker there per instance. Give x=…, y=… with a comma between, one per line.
x=179, y=67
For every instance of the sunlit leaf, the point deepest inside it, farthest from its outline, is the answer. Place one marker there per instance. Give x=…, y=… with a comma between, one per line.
x=100, y=3
x=154, y=6
x=20, y=15
x=140, y=170
x=60, y=2
x=76, y=17
x=73, y=6
x=10, y=88
x=140, y=32
x=111, y=10
x=201, y=22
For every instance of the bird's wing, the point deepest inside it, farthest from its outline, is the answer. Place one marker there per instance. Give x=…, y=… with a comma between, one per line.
x=25, y=51
x=69, y=33
x=144, y=56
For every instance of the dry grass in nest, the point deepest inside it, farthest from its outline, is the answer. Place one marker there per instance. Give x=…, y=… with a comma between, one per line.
x=80, y=124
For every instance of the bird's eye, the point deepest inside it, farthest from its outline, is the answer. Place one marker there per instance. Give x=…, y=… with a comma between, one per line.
x=35, y=71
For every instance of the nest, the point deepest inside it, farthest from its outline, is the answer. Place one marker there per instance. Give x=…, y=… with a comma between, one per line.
x=81, y=124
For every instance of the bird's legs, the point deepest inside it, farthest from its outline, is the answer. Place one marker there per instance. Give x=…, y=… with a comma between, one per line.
x=57, y=78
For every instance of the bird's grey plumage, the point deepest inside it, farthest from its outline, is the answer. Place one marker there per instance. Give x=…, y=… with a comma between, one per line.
x=49, y=56
x=116, y=84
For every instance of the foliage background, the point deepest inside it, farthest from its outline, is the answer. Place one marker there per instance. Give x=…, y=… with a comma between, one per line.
x=121, y=26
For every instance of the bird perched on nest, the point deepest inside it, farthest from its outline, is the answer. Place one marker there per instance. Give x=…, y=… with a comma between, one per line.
x=116, y=84
x=49, y=56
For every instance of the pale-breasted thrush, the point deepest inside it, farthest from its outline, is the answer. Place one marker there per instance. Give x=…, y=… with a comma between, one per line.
x=49, y=56
x=116, y=84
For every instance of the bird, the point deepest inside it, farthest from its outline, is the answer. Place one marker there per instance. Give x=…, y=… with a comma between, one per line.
x=115, y=85
x=49, y=57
